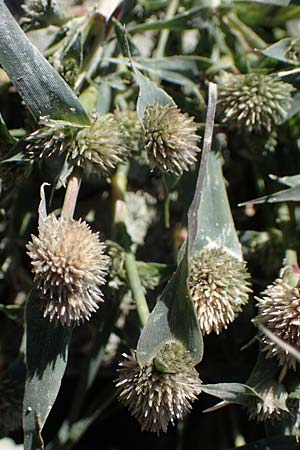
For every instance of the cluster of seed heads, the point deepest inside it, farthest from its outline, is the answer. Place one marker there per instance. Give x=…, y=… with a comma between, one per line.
x=97, y=148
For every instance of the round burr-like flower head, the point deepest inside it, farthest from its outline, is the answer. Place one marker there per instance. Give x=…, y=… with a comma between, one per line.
x=170, y=138
x=219, y=287
x=272, y=404
x=254, y=101
x=163, y=390
x=131, y=128
x=101, y=147
x=97, y=148
x=69, y=267
x=279, y=312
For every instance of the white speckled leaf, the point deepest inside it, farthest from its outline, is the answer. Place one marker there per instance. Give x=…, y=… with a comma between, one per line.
x=41, y=87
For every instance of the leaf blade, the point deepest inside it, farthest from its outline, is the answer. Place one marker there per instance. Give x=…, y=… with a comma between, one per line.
x=46, y=360
x=42, y=89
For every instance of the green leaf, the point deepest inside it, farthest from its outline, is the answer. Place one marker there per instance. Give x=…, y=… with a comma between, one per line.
x=230, y=392
x=270, y=2
x=286, y=195
x=173, y=318
x=280, y=50
x=192, y=18
x=214, y=220
x=5, y=136
x=275, y=443
x=264, y=370
x=42, y=89
x=291, y=181
x=149, y=94
x=180, y=69
x=46, y=359
x=193, y=213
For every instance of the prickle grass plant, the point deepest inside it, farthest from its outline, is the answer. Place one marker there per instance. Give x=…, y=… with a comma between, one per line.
x=134, y=217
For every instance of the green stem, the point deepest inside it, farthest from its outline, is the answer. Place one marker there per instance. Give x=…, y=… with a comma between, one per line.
x=240, y=28
x=164, y=35
x=119, y=184
x=291, y=258
x=136, y=288
x=95, y=53
x=71, y=195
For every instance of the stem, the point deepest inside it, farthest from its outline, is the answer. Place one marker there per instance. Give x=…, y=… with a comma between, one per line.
x=164, y=35
x=291, y=258
x=238, y=437
x=136, y=288
x=119, y=184
x=95, y=53
x=71, y=195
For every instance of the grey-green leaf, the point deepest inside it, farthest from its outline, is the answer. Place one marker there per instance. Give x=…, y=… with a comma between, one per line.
x=46, y=359
x=280, y=51
x=286, y=195
x=193, y=214
x=271, y=2
x=42, y=89
x=215, y=224
x=149, y=94
x=173, y=318
x=291, y=181
x=230, y=392
x=5, y=136
x=192, y=18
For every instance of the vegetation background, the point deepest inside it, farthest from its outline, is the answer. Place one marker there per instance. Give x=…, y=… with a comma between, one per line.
x=181, y=46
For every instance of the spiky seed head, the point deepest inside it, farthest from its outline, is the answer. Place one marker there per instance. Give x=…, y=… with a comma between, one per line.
x=97, y=148
x=272, y=402
x=11, y=404
x=69, y=267
x=161, y=391
x=131, y=128
x=254, y=101
x=279, y=312
x=100, y=147
x=54, y=138
x=219, y=287
x=170, y=138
